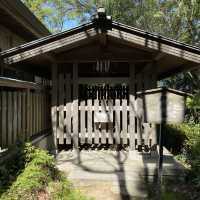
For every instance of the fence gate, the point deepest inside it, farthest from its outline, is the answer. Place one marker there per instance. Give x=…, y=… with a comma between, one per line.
x=89, y=112
x=103, y=114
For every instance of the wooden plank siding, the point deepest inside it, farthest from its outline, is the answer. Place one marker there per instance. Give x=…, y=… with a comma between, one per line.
x=21, y=115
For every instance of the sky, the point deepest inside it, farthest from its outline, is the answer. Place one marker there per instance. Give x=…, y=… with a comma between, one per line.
x=70, y=24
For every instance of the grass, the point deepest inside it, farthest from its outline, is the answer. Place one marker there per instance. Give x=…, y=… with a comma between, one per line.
x=31, y=174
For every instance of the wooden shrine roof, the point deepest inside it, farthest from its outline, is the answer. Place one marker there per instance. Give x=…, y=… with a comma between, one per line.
x=170, y=55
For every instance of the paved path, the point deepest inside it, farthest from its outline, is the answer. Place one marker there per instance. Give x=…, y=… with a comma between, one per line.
x=112, y=175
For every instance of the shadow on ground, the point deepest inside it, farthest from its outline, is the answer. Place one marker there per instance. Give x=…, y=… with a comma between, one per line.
x=117, y=174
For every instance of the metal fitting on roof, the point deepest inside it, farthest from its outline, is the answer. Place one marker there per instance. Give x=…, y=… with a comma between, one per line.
x=101, y=21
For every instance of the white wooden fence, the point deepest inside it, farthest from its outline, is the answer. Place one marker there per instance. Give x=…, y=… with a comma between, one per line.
x=74, y=119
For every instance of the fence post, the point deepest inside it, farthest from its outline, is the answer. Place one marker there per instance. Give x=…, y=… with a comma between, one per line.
x=28, y=114
x=1, y=65
x=54, y=93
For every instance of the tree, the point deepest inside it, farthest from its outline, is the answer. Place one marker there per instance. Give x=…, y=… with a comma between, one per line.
x=175, y=19
x=53, y=13
x=178, y=19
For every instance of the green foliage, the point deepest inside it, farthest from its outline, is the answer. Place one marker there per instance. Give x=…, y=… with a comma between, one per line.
x=35, y=175
x=62, y=191
x=190, y=151
x=175, y=19
x=172, y=196
x=193, y=109
x=174, y=138
x=53, y=13
x=193, y=102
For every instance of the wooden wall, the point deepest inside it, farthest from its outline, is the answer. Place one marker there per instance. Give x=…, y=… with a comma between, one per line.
x=23, y=114
x=9, y=39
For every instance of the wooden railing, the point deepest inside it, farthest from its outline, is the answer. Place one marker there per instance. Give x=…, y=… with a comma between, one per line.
x=24, y=111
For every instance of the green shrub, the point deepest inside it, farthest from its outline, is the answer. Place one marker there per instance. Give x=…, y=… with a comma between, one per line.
x=36, y=175
x=189, y=153
x=171, y=196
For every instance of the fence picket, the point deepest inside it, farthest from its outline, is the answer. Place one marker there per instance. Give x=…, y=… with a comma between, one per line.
x=124, y=121
x=96, y=125
x=117, y=121
x=103, y=125
x=110, y=124
x=82, y=121
x=89, y=120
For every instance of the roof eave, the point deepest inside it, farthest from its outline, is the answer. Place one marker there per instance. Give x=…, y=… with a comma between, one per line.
x=25, y=17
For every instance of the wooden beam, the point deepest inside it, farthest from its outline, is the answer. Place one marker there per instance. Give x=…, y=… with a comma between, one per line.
x=113, y=80
x=112, y=52
x=94, y=59
x=14, y=83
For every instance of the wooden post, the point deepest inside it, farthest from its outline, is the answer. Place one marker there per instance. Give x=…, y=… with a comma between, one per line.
x=28, y=131
x=54, y=103
x=0, y=120
x=160, y=163
x=139, y=119
x=1, y=66
x=60, y=130
x=147, y=85
x=1, y=106
x=75, y=106
x=132, y=107
x=19, y=114
x=15, y=117
x=68, y=107
x=4, y=114
x=10, y=119
x=153, y=126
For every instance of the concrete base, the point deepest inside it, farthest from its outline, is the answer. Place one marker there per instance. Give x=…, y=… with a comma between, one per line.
x=45, y=142
x=115, y=175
